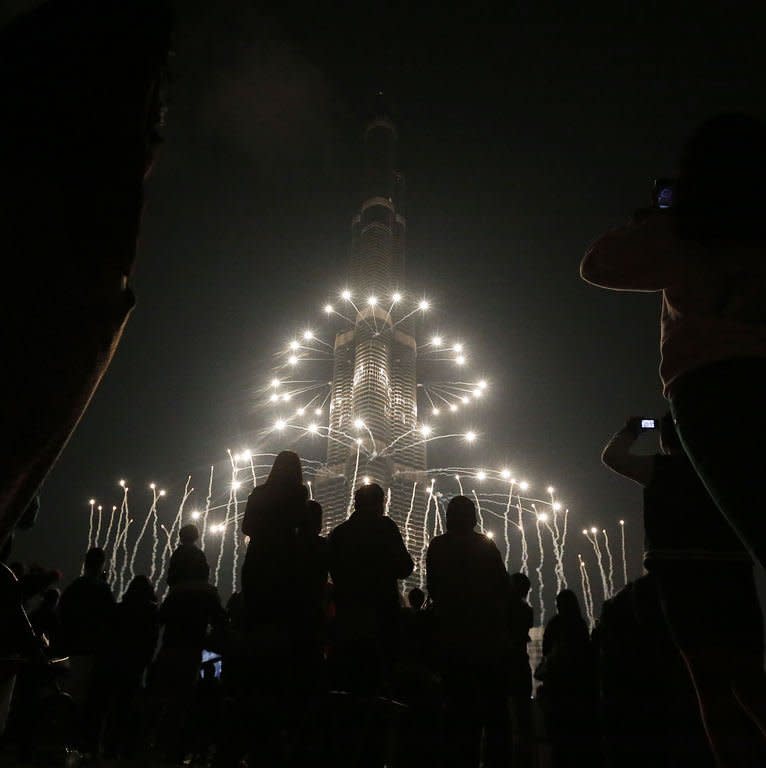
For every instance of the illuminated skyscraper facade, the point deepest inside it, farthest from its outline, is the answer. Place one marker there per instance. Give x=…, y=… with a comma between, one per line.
x=374, y=387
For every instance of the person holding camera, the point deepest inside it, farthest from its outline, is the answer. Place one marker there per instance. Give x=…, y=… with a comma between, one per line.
x=694, y=556
x=703, y=245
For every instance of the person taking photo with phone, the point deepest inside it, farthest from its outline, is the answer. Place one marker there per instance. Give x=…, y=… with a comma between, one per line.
x=704, y=249
x=695, y=556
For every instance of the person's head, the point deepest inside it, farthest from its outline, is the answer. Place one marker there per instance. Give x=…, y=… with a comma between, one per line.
x=567, y=604
x=416, y=597
x=669, y=440
x=286, y=472
x=313, y=517
x=370, y=500
x=140, y=590
x=95, y=558
x=461, y=515
x=721, y=191
x=520, y=584
x=188, y=534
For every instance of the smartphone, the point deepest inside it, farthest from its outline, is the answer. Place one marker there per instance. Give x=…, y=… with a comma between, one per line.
x=664, y=193
x=648, y=424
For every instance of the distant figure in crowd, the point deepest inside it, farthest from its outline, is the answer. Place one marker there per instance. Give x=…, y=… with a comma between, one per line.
x=568, y=692
x=707, y=255
x=131, y=650
x=468, y=586
x=367, y=557
x=86, y=613
x=693, y=554
x=522, y=620
x=188, y=562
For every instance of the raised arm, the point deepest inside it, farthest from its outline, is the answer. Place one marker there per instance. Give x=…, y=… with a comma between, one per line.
x=644, y=255
x=618, y=457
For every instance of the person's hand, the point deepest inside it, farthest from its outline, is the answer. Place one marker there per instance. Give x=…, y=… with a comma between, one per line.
x=633, y=426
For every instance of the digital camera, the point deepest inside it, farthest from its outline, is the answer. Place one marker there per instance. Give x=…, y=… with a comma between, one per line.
x=664, y=194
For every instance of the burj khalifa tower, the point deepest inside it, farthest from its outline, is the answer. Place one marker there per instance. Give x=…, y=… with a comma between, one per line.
x=374, y=384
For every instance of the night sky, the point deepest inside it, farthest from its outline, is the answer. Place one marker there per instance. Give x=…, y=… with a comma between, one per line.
x=523, y=137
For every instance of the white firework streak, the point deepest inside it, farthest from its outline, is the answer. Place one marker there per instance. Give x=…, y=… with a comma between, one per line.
x=353, y=483
x=235, y=527
x=127, y=523
x=311, y=490
x=478, y=510
x=425, y=537
x=540, y=584
x=610, y=561
x=207, y=509
x=223, y=528
x=505, y=527
x=561, y=548
x=124, y=539
x=624, y=559
x=388, y=503
x=409, y=518
x=459, y=485
x=155, y=543
x=586, y=593
x=255, y=479
x=556, y=571
x=177, y=520
x=109, y=528
x=98, y=527
x=524, y=549
x=90, y=524
x=141, y=535
x=599, y=560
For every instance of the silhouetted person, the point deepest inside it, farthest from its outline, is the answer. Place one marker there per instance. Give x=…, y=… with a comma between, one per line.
x=707, y=255
x=521, y=621
x=367, y=558
x=283, y=579
x=694, y=554
x=188, y=562
x=568, y=691
x=86, y=613
x=274, y=513
x=417, y=684
x=468, y=586
x=132, y=647
x=188, y=615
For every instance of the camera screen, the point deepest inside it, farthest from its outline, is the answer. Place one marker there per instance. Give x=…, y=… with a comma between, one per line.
x=665, y=197
x=647, y=423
